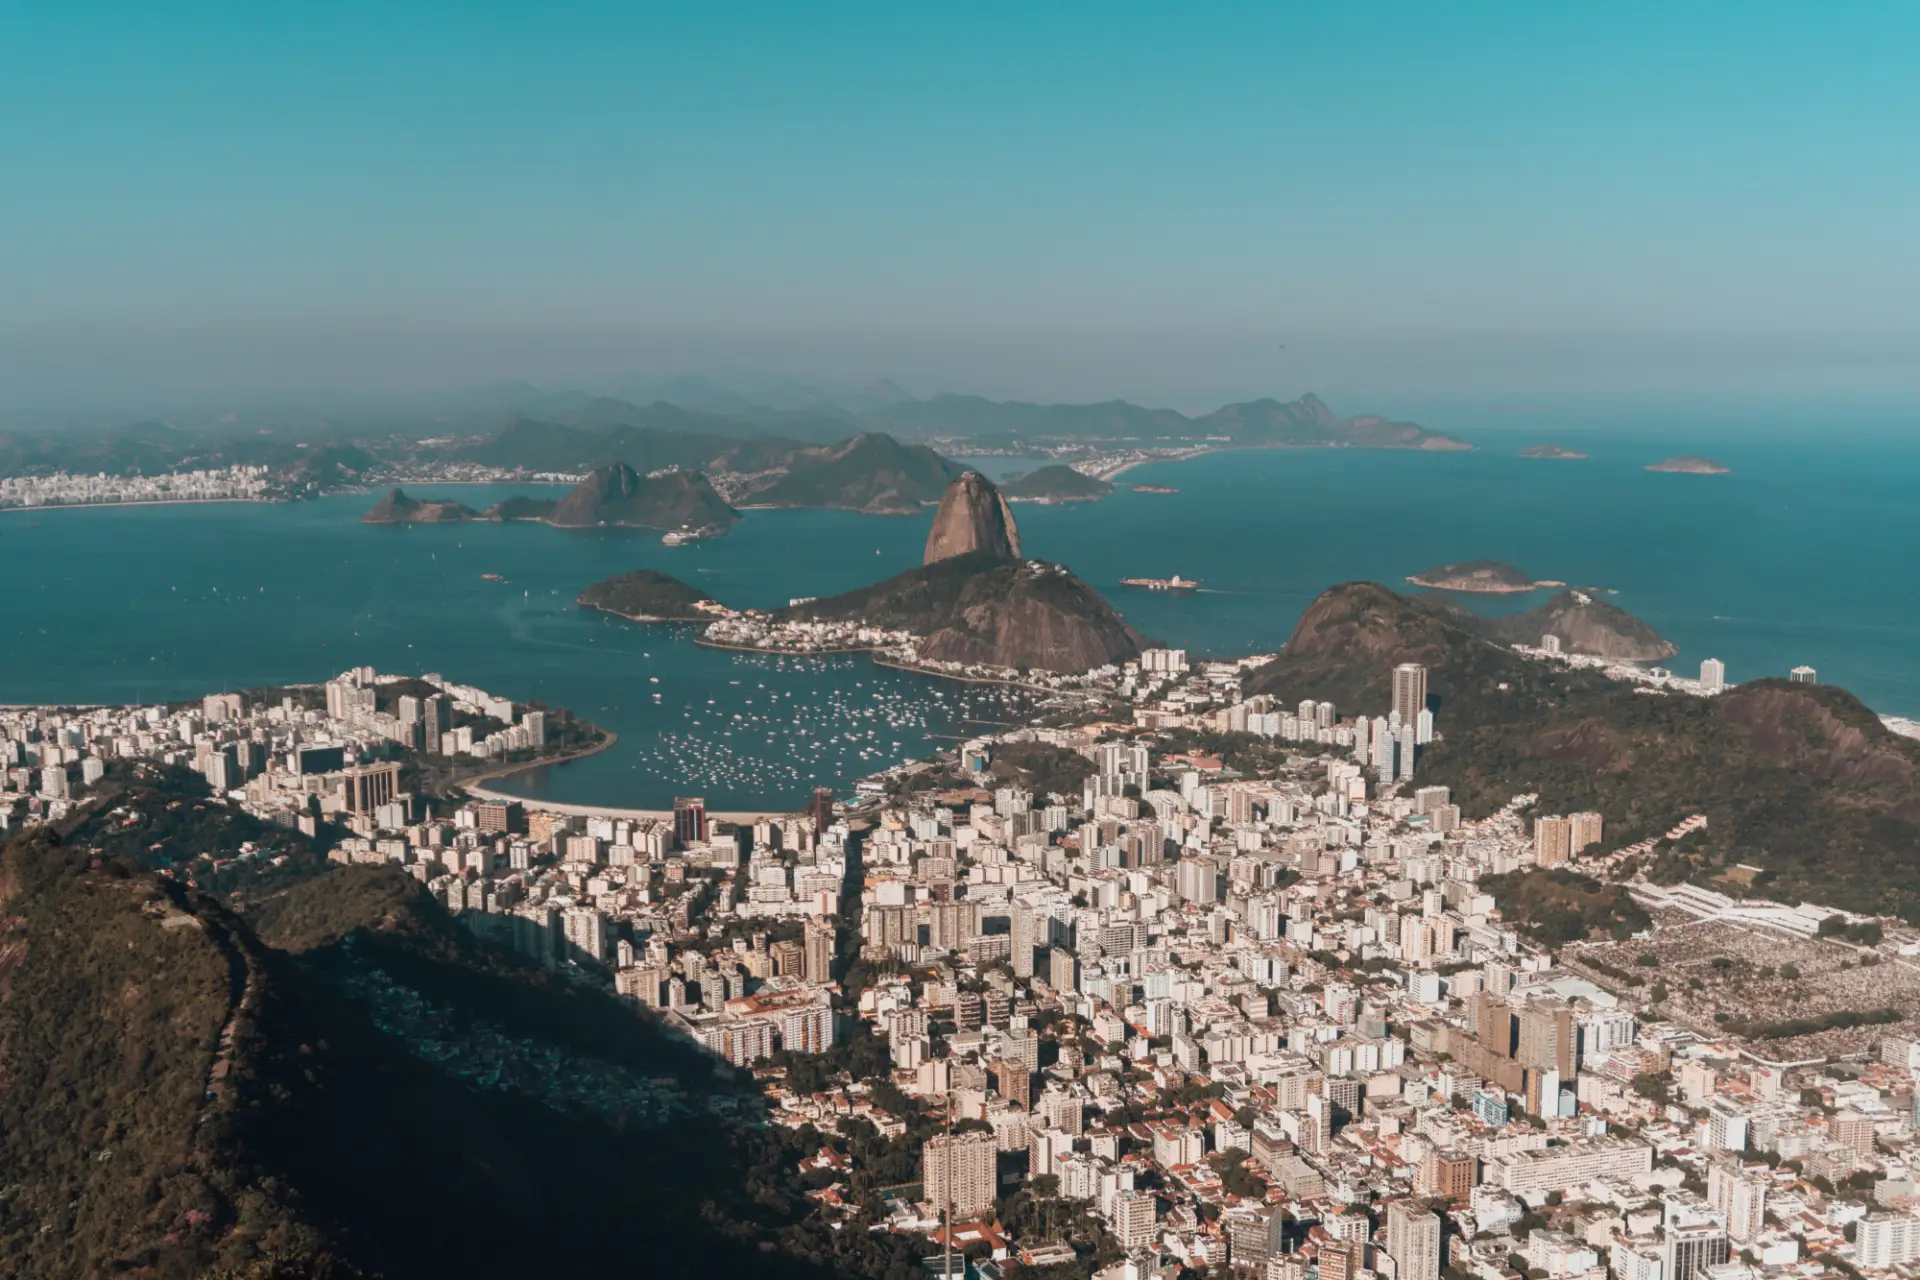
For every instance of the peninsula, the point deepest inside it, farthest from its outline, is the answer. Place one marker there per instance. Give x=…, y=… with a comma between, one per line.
x=1551, y=451
x=1691, y=465
x=1480, y=577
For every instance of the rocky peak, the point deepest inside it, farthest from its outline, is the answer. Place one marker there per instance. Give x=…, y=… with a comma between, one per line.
x=972, y=517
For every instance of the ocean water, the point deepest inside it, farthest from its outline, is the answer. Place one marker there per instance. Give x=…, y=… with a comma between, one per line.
x=1808, y=553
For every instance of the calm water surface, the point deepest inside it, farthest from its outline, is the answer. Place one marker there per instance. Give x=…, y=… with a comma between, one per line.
x=1807, y=553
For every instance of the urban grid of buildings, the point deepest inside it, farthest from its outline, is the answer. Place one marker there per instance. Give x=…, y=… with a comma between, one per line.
x=1269, y=1023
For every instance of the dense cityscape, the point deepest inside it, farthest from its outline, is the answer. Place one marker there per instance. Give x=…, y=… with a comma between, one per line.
x=1168, y=1010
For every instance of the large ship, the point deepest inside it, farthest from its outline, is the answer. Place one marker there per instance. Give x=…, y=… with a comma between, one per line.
x=1175, y=583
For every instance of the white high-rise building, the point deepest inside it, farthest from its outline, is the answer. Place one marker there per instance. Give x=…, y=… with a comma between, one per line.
x=1740, y=1198
x=1133, y=1218
x=1423, y=727
x=1886, y=1240
x=1413, y=1241
x=1713, y=675
x=959, y=1170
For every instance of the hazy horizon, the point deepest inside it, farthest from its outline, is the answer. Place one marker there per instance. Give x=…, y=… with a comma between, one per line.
x=368, y=206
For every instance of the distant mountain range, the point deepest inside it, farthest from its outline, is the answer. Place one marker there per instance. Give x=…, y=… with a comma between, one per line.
x=715, y=432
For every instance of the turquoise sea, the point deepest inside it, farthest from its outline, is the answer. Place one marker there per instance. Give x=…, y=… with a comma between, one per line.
x=1808, y=553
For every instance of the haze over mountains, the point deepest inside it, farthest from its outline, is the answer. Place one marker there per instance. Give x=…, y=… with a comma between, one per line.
x=708, y=429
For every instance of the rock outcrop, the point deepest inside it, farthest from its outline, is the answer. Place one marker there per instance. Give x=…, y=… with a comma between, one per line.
x=615, y=494
x=989, y=609
x=1585, y=625
x=398, y=508
x=973, y=518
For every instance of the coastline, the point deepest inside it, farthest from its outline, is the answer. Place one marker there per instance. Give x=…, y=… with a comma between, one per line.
x=1189, y=454
x=878, y=661
x=1544, y=585
x=608, y=738
x=145, y=502
x=705, y=643
x=611, y=811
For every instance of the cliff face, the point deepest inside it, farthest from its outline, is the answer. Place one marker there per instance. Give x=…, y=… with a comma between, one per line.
x=398, y=508
x=973, y=517
x=982, y=608
x=615, y=494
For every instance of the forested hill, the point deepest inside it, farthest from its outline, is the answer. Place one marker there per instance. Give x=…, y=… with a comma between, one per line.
x=1800, y=780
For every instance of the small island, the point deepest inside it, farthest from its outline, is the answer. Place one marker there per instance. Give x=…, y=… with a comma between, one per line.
x=1154, y=488
x=1481, y=577
x=1690, y=465
x=398, y=508
x=646, y=595
x=1552, y=451
x=1057, y=483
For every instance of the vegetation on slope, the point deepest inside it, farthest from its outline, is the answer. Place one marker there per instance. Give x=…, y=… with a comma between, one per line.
x=979, y=608
x=1056, y=483
x=1555, y=907
x=1799, y=780
x=873, y=473
x=646, y=594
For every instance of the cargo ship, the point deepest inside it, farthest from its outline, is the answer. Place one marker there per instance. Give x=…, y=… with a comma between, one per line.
x=1175, y=583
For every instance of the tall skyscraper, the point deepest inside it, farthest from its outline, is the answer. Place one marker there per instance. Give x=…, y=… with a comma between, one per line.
x=689, y=820
x=1713, y=675
x=1586, y=830
x=1025, y=922
x=818, y=967
x=957, y=1172
x=1552, y=840
x=438, y=713
x=1133, y=1218
x=1409, y=691
x=1740, y=1197
x=1413, y=1241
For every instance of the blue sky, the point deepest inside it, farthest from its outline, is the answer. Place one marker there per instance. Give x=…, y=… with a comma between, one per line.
x=1042, y=200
